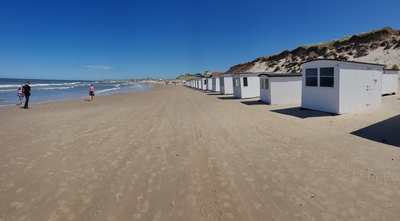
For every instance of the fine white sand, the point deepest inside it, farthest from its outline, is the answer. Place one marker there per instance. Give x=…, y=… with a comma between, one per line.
x=174, y=153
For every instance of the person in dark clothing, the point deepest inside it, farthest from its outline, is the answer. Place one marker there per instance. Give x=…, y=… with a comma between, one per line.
x=27, y=92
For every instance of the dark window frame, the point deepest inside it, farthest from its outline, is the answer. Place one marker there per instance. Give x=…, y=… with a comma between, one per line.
x=245, y=82
x=326, y=77
x=311, y=79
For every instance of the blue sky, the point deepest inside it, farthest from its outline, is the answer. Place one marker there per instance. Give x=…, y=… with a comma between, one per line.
x=88, y=40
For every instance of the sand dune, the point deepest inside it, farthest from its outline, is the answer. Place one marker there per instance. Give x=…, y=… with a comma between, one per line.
x=173, y=153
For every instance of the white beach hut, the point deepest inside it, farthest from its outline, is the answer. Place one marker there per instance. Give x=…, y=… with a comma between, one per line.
x=199, y=83
x=209, y=84
x=246, y=85
x=340, y=86
x=215, y=84
x=215, y=81
x=225, y=84
x=203, y=84
x=390, y=81
x=280, y=88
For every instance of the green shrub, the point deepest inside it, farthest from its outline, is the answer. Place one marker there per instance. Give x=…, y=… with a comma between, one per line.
x=395, y=67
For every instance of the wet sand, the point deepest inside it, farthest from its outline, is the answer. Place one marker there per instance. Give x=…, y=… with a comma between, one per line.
x=174, y=153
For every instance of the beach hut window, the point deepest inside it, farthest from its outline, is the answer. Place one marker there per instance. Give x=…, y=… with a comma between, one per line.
x=236, y=82
x=326, y=77
x=245, y=84
x=221, y=81
x=312, y=77
x=205, y=81
x=266, y=84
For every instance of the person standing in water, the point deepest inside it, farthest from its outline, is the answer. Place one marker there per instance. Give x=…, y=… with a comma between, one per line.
x=21, y=94
x=91, y=92
x=27, y=92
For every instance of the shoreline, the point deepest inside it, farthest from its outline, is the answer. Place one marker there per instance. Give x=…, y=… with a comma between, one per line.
x=67, y=99
x=50, y=91
x=174, y=153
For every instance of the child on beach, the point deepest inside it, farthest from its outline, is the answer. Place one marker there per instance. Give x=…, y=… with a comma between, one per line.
x=21, y=94
x=91, y=92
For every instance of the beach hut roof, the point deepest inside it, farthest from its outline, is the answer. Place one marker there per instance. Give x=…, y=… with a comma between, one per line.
x=246, y=73
x=388, y=69
x=227, y=74
x=216, y=74
x=355, y=62
x=271, y=75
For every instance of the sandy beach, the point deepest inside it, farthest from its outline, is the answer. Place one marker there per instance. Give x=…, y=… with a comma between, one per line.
x=175, y=153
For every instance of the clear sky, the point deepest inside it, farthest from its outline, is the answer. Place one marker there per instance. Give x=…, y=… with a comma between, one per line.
x=88, y=40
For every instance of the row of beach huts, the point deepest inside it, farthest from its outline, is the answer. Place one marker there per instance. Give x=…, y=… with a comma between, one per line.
x=331, y=86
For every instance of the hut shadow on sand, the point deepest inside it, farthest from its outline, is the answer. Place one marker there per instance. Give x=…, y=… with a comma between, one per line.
x=386, y=131
x=302, y=113
x=228, y=97
x=257, y=102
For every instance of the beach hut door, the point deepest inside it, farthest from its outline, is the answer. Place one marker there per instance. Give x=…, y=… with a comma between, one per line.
x=371, y=83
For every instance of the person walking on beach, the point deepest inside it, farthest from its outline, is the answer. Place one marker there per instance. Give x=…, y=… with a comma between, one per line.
x=21, y=94
x=91, y=92
x=27, y=93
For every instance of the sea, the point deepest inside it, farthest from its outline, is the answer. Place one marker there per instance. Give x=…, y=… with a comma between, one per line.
x=58, y=90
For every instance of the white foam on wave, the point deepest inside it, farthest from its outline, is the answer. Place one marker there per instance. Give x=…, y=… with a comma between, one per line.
x=8, y=90
x=54, y=88
x=56, y=84
x=45, y=85
x=10, y=85
x=106, y=90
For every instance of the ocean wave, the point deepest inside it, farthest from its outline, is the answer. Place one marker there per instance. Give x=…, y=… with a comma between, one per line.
x=44, y=85
x=55, y=84
x=136, y=86
x=10, y=85
x=8, y=90
x=106, y=90
x=54, y=88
